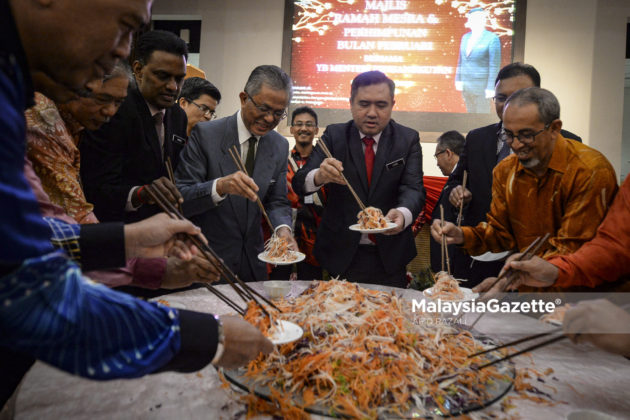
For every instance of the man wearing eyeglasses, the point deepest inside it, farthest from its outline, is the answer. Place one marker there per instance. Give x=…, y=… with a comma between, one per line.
x=548, y=185
x=199, y=100
x=132, y=150
x=483, y=150
x=220, y=198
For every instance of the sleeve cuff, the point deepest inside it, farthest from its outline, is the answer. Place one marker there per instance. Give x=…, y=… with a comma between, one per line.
x=309, y=182
x=215, y=195
x=129, y=206
x=199, y=339
x=406, y=214
x=102, y=246
x=147, y=272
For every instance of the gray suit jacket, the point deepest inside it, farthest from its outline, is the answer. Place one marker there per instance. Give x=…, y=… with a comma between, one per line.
x=233, y=227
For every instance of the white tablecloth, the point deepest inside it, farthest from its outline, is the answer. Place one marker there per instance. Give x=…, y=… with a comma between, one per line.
x=599, y=381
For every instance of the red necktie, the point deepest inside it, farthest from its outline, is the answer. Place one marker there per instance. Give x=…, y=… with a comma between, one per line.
x=369, y=157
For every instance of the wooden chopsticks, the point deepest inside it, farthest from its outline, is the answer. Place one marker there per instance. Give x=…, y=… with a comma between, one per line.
x=324, y=148
x=171, y=177
x=529, y=252
x=242, y=289
x=461, y=205
x=241, y=166
x=444, y=246
x=525, y=350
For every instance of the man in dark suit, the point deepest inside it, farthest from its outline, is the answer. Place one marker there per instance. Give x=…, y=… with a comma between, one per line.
x=450, y=146
x=483, y=150
x=219, y=197
x=147, y=131
x=382, y=160
x=478, y=63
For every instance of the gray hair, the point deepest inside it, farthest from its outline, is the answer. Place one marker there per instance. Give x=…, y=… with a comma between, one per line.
x=122, y=69
x=272, y=76
x=452, y=140
x=547, y=103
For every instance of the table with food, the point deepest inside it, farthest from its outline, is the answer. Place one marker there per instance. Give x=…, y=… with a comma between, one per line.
x=363, y=353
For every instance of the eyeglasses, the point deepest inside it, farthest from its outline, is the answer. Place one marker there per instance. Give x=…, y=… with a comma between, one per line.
x=525, y=138
x=277, y=115
x=439, y=153
x=301, y=124
x=206, y=111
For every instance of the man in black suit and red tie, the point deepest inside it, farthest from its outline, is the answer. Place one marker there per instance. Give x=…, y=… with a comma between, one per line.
x=382, y=161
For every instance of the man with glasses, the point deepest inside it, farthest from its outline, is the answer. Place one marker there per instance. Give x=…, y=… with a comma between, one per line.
x=483, y=150
x=199, y=99
x=308, y=209
x=548, y=185
x=220, y=198
x=135, y=146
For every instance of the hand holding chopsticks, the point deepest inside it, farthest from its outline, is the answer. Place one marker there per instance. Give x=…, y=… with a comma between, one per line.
x=324, y=148
x=242, y=289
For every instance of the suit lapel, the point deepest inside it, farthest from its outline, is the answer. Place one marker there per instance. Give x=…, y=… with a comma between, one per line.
x=263, y=171
x=358, y=158
x=148, y=127
x=227, y=165
x=385, y=144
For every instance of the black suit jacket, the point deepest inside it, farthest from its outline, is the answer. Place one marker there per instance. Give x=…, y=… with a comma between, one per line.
x=396, y=182
x=125, y=153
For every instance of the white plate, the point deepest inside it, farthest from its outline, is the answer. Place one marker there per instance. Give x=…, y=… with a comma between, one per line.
x=298, y=257
x=288, y=333
x=468, y=293
x=356, y=228
x=491, y=256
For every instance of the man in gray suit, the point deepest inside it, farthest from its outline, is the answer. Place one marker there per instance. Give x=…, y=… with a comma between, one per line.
x=221, y=199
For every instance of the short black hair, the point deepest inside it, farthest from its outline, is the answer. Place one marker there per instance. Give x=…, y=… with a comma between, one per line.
x=371, y=78
x=194, y=87
x=519, y=69
x=159, y=41
x=452, y=140
x=304, y=110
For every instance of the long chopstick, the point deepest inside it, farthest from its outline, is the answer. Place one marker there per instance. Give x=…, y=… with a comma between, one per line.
x=529, y=252
x=461, y=205
x=444, y=246
x=171, y=176
x=525, y=350
x=228, y=274
x=224, y=298
x=239, y=164
x=512, y=343
x=324, y=148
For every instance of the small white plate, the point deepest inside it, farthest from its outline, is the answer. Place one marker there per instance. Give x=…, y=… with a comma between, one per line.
x=286, y=333
x=298, y=257
x=356, y=228
x=491, y=256
x=468, y=293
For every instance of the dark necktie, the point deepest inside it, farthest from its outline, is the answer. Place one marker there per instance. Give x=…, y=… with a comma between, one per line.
x=369, y=157
x=251, y=155
x=504, y=152
x=158, y=120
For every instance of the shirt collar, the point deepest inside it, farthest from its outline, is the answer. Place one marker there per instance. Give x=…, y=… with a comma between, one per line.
x=153, y=110
x=243, y=133
x=376, y=137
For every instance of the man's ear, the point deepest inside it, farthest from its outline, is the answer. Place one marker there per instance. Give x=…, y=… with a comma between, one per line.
x=137, y=69
x=556, y=125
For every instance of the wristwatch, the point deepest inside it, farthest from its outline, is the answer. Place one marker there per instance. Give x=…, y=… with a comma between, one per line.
x=221, y=341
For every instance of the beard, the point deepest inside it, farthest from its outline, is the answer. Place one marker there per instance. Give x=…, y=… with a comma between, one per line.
x=530, y=163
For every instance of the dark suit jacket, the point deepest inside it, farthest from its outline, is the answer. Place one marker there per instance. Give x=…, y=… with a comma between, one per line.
x=125, y=153
x=479, y=159
x=233, y=227
x=480, y=68
x=396, y=182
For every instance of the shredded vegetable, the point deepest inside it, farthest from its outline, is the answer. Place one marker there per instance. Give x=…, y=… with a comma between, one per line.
x=364, y=354
x=446, y=287
x=277, y=250
x=371, y=218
